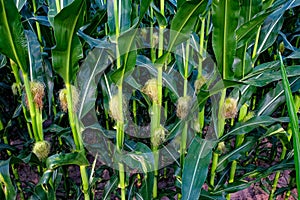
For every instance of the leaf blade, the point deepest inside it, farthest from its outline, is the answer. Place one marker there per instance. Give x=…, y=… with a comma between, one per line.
x=225, y=20
x=68, y=48
x=12, y=40
x=294, y=121
x=200, y=150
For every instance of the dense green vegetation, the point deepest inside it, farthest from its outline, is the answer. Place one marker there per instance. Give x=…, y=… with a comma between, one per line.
x=141, y=99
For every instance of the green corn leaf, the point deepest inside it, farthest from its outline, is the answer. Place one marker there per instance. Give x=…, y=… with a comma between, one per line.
x=271, y=27
x=6, y=184
x=61, y=159
x=147, y=186
x=55, y=7
x=20, y=4
x=258, y=173
x=169, y=80
x=196, y=167
x=208, y=196
x=275, y=97
x=255, y=122
x=110, y=187
x=88, y=77
x=128, y=53
x=3, y=60
x=262, y=68
x=247, y=31
x=235, y=154
x=124, y=9
x=36, y=65
x=233, y=187
x=12, y=41
x=127, y=47
x=184, y=21
x=44, y=189
x=140, y=159
x=225, y=16
x=68, y=48
x=242, y=64
x=267, y=77
x=162, y=21
x=294, y=121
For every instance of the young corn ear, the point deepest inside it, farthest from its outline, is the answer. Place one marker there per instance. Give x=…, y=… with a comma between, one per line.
x=41, y=149
x=14, y=88
x=281, y=47
x=196, y=125
x=150, y=89
x=159, y=136
x=63, y=98
x=37, y=90
x=230, y=108
x=114, y=109
x=183, y=107
x=222, y=148
x=199, y=83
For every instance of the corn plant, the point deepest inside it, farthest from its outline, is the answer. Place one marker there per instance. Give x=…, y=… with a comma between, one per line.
x=140, y=99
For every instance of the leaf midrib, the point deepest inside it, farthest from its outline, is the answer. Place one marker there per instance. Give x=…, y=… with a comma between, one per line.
x=196, y=166
x=112, y=185
x=274, y=99
x=70, y=45
x=271, y=120
x=224, y=39
x=88, y=85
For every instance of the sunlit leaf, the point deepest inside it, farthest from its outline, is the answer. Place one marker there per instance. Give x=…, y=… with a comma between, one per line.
x=12, y=41
x=68, y=49
x=225, y=20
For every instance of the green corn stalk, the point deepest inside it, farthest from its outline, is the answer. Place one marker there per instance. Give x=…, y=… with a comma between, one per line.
x=238, y=143
x=256, y=45
x=201, y=54
x=220, y=126
x=38, y=28
x=152, y=50
x=120, y=123
x=18, y=83
x=74, y=124
x=225, y=20
x=155, y=121
x=185, y=127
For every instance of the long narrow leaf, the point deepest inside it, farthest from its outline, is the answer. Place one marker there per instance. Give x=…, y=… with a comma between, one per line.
x=88, y=76
x=225, y=16
x=196, y=167
x=12, y=41
x=271, y=27
x=235, y=154
x=68, y=48
x=294, y=121
x=61, y=159
x=184, y=21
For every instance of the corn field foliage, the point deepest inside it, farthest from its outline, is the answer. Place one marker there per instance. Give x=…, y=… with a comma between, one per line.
x=141, y=99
